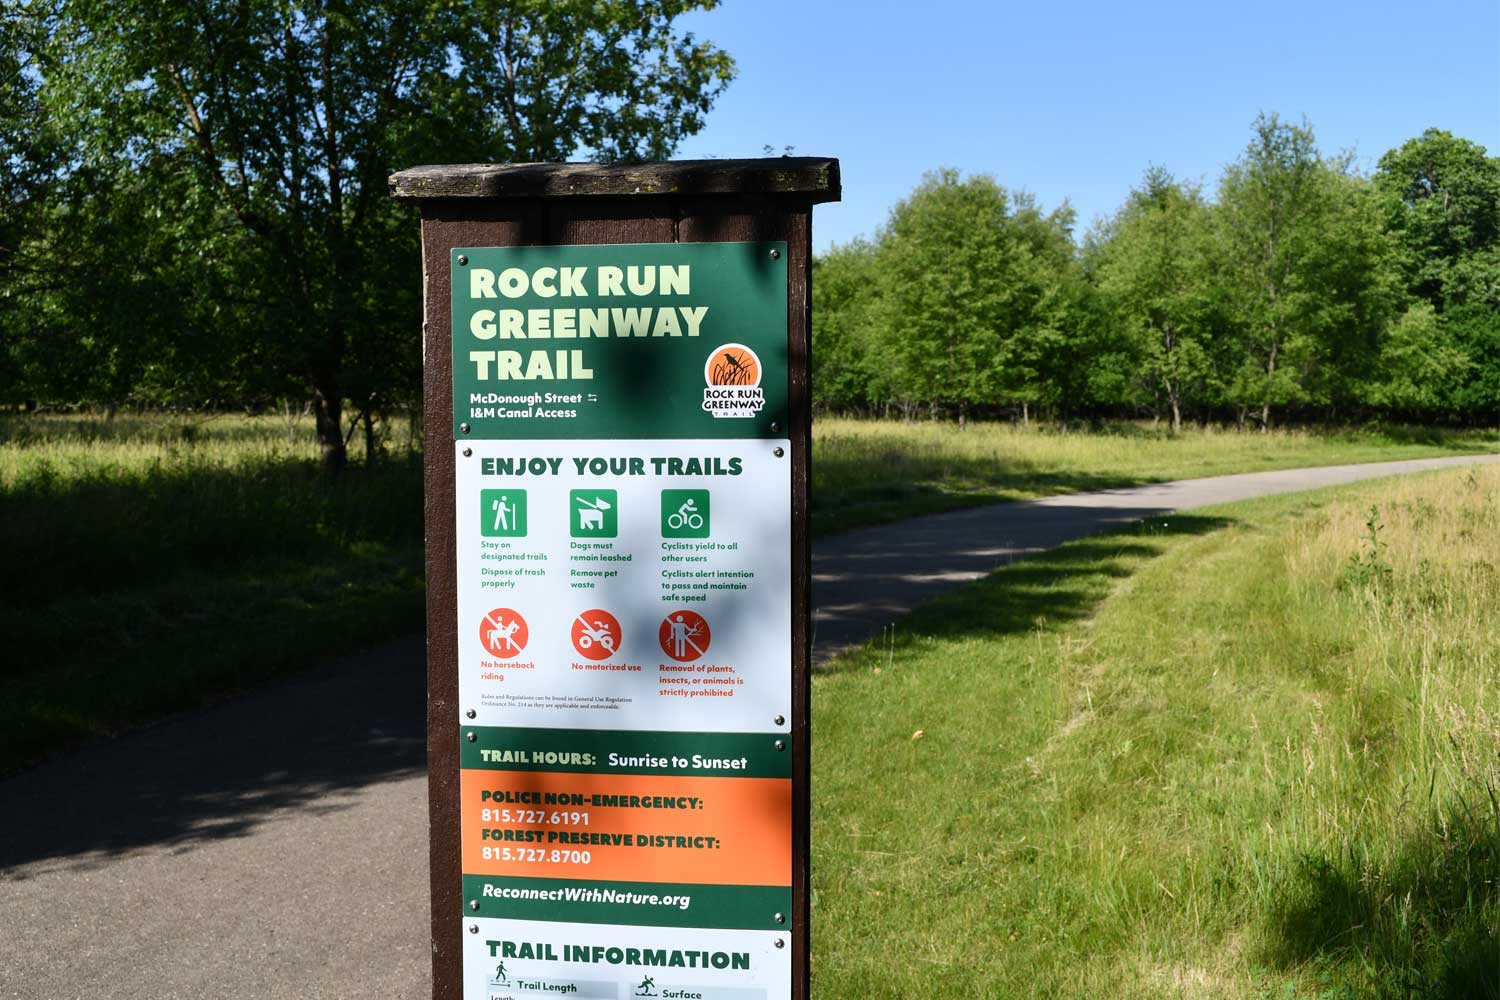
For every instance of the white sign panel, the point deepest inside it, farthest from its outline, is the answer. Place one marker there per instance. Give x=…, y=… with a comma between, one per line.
x=635, y=585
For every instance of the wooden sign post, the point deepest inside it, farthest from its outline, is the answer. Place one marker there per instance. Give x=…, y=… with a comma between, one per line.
x=618, y=574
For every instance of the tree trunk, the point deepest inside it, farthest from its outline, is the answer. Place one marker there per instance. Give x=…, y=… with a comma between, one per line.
x=328, y=416
x=1176, y=415
x=1265, y=410
x=963, y=415
x=369, y=427
x=1025, y=414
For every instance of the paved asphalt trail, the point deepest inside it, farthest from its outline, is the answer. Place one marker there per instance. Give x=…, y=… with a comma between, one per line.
x=275, y=846
x=864, y=580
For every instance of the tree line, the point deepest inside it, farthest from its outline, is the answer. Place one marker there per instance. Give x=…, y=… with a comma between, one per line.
x=1298, y=289
x=193, y=204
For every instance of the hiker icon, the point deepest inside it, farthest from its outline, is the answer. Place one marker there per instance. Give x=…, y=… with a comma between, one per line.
x=500, y=979
x=596, y=633
x=503, y=633
x=502, y=513
x=684, y=635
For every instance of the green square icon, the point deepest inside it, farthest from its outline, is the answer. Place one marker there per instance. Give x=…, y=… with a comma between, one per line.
x=594, y=513
x=502, y=513
x=684, y=513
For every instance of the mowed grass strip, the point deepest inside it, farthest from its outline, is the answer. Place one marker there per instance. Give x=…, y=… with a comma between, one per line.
x=873, y=471
x=1248, y=752
x=151, y=565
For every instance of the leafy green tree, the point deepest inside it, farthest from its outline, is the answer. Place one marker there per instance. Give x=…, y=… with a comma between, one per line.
x=1473, y=329
x=944, y=294
x=1158, y=269
x=1041, y=349
x=274, y=124
x=971, y=292
x=1444, y=204
x=1419, y=366
x=846, y=361
x=1308, y=268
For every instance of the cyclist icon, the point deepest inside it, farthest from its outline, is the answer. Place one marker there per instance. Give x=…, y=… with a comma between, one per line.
x=687, y=516
x=685, y=513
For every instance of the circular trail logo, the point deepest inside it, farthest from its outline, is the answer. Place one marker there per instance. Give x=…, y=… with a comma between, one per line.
x=503, y=633
x=732, y=364
x=732, y=373
x=596, y=634
x=684, y=636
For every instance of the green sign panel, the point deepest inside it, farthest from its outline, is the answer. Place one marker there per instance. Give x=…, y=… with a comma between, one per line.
x=654, y=340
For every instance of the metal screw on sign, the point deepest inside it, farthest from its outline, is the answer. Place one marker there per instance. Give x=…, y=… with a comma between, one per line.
x=780, y=943
x=463, y=428
x=781, y=744
x=468, y=452
x=473, y=928
x=775, y=427
x=473, y=904
x=462, y=260
x=471, y=713
x=781, y=918
x=472, y=737
x=779, y=452
x=775, y=254
x=781, y=720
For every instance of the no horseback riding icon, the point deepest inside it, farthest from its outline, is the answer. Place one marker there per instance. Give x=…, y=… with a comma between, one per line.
x=503, y=633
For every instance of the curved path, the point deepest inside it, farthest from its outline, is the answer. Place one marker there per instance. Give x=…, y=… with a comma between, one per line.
x=864, y=580
x=275, y=846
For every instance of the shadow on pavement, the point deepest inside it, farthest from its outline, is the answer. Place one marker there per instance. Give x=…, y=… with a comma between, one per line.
x=218, y=773
x=1048, y=588
x=895, y=497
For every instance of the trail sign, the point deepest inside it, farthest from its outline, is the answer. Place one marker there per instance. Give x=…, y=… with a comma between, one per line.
x=618, y=576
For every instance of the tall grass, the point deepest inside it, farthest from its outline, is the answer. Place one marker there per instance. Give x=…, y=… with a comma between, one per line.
x=1200, y=759
x=869, y=471
x=151, y=563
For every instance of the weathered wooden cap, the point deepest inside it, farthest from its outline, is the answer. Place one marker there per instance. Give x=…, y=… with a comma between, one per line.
x=809, y=179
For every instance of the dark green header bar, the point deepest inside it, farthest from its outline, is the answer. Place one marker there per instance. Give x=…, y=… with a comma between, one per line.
x=651, y=340
x=598, y=751
x=642, y=904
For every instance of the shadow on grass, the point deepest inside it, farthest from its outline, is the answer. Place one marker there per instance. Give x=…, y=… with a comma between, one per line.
x=1422, y=923
x=1025, y=587
x=132, y=592
x=220, y=773
x=112, y=528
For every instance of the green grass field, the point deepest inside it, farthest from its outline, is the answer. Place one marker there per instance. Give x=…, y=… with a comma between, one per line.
x=873, y=471
x=151, y=564
x=1247, y=752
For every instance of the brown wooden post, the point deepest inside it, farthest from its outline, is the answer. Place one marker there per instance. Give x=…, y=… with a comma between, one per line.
x=544, y=205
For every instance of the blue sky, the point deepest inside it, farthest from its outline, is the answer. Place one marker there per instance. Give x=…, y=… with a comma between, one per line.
x=1074, y=99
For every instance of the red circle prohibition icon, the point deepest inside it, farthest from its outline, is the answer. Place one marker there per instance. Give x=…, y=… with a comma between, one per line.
x=684, y=635
x=596, y=634
x=503, y=633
